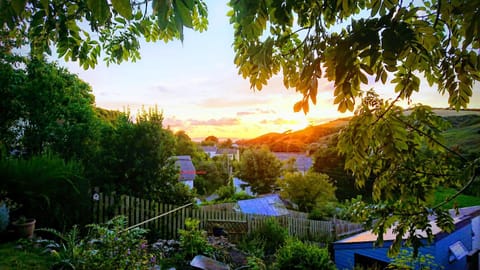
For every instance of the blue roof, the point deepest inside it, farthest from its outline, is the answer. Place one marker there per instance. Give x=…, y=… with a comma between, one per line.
x=186, y=167
x=270, y=205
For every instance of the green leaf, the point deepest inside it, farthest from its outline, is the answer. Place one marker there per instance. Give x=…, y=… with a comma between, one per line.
x=161, y=8
x=184, y=12
x=100, y=9
x=123, y=8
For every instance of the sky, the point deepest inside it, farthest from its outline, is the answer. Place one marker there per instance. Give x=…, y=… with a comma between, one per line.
x=197, y=86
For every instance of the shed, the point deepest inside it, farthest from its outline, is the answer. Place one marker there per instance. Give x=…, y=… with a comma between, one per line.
x=456, y=250
x=268, y=205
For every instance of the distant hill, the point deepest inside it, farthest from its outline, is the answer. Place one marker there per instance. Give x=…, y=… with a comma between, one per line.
x=465, y=133
x=297, y=141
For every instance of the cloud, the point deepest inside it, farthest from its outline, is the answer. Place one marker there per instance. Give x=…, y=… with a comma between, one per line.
x=279, y=121
x=215, y=122
x=160, y=89
x=257, y=111
x=173, y=122
x=225, y=103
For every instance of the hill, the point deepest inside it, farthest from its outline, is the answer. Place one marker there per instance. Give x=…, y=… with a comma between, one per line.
x=464, y=134
x=297, y=141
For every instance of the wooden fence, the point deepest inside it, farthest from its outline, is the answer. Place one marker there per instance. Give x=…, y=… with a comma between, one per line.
x=236, y=224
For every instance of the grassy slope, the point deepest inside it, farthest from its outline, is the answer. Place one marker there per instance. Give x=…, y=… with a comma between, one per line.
x=460, y=201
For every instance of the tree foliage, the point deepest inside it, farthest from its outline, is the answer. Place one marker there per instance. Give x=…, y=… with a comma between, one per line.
x=46, y=107
x=390, y=40
x=260, y=168
x=309, y=191
x=135, y=158
x=82, y=30
x=384, y=42
x=216, y=174
x=185, y=146
x=327, y=160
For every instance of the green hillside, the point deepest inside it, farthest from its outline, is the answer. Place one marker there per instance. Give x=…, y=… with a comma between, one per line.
x=464, y=133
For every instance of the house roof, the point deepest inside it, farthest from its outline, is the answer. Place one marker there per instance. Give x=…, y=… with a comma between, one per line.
x=209, y=149
x=369, y=236
x=269, y=205
x=187, y=170
x=227, y=151
x=302, y=161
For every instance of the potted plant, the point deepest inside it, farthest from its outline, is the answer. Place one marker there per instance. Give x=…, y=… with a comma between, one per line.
x=24, y=227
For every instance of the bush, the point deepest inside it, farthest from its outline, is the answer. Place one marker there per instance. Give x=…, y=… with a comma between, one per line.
x=272, y=235
x=106, y=246
x=49, y=189
x=298, y=255
x=193, y=241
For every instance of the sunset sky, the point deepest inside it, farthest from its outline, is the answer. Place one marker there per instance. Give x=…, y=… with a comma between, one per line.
x=197, y=87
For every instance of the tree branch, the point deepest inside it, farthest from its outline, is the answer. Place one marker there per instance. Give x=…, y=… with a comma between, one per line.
x=433, y=139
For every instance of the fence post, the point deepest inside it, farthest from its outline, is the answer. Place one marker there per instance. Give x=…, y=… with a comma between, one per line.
x=334, y=228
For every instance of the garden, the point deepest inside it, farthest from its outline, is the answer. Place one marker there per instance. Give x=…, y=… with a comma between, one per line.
x=111, y=246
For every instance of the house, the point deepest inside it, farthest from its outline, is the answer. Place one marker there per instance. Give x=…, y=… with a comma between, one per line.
x=302, y=162
x=211, y=151
x=268, y=205
x=239, y=185
x=232, y=153
x=187, y=169
x=456, y=250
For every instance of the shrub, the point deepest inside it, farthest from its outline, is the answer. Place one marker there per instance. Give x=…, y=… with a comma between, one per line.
x=193, y=241
x=47, y=188
x=298, y=255
x=271, y=234
x=106, y=246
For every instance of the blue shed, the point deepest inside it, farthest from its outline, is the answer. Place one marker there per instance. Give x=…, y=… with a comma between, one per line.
x=456, y=250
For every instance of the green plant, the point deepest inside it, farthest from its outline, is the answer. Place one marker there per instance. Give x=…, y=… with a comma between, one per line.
x=272, y=234
x=111, y=247
x=67, y=250
x=193, y=241
x=256, y=263
x=106, y=246
x=298, y=255
x=253, y=246
x=52, y=190
x=406, y=260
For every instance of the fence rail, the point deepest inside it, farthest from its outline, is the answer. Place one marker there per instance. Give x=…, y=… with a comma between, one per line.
x=138, y=210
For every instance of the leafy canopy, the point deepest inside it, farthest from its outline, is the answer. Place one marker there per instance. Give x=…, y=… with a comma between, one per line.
x=308, y=191
x=82, y=30
x=260, y=168
x=383, y=42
